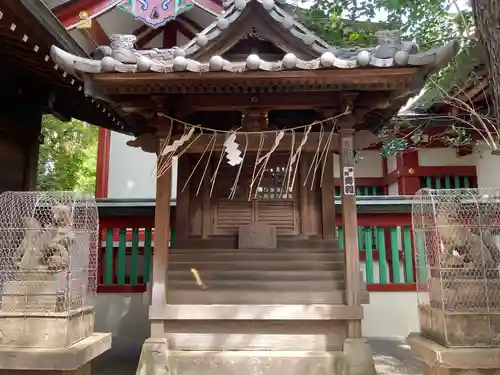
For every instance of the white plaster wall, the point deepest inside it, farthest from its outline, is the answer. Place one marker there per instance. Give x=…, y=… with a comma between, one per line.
x=436, y=157
x=370, y=164
x=487, y=167
x=390, y=314
x=132, y=171
x=393, y=189
x=392, y=163
x=125, y=316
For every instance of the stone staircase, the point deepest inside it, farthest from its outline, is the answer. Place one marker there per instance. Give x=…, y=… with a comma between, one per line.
x=257, y=276
x=256, y=311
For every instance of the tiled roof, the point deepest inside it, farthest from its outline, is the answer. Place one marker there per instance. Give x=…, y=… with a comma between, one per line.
x=122, y=57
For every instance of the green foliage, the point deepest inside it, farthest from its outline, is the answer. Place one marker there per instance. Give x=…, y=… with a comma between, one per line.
x=429, y=23
x=351, y=22
x=68, y=156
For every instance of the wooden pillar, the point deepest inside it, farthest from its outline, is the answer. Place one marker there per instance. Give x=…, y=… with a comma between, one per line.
x=328, y=199
x=161, y=241
x=350, y=224
x=305, y=201
x=182, y=218
x=31, y=142
x=407, y=165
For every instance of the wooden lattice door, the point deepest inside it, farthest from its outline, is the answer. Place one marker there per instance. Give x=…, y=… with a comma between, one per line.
x=271, y=202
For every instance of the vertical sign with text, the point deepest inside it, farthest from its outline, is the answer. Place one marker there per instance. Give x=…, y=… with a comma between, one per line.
x=348, y=169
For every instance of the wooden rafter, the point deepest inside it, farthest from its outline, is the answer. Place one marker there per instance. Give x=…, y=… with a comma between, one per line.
x=153, y=33
x=140, y=30
x=193, y=25
x=184, y=30
x=170, y=34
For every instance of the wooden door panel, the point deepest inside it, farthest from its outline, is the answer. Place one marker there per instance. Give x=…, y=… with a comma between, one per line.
x=230, y=215
x=271, y=203
x=278, y=213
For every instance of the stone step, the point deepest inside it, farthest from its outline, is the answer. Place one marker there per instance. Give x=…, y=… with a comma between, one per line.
x=272, y=362
x=315, y=335
x=257, y=275
x=255, y=312
x=319, y=250
x=311, y=265
x=256, y=285
x=202, y=256
x=253, y=297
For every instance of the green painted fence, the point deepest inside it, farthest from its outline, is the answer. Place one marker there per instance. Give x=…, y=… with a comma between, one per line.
x=446, y=182
x=126, y=257
x=387, y=254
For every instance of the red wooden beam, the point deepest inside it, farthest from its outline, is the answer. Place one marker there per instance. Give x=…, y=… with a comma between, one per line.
x=441, y=171
x=69, y=15
x=391, y=287
x=102, y=173
x=141, y=288
x=408, y=182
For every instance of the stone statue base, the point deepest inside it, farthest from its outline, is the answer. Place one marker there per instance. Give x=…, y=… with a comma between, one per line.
x=462, y=288
x=34, y=292
x=455, y=329
x=439, y=360
x=45, y=330
x=73, y=360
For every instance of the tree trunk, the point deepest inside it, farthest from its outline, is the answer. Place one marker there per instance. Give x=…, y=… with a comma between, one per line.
x=487, y=19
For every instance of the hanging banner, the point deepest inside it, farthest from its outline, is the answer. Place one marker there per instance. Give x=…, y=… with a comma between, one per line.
x=155, y=13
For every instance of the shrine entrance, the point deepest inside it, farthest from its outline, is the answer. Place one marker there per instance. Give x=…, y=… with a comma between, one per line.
x=294, y=97
x=270, y=199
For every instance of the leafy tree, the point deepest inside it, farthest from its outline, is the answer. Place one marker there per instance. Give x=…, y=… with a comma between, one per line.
x=486, y=16
x=68, y=156
x=352, y=22
x=429, y=23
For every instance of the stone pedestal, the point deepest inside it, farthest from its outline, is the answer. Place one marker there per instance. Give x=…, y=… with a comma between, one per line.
x=72, y=360
x=460, y=329
x=34, y=292
x=45, y=330
x=156, y=358
x=257, y=236
x=439, y=360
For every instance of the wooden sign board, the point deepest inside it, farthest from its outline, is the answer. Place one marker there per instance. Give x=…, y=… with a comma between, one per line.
x=348, y=179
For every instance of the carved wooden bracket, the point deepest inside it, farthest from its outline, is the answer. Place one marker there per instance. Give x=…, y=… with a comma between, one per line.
x=146, y=142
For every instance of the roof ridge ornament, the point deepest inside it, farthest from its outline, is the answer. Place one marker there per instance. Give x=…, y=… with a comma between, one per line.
x=122, y=47
x=391, y=45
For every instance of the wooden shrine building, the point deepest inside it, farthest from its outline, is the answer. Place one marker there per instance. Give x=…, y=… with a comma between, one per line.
x=256, y=283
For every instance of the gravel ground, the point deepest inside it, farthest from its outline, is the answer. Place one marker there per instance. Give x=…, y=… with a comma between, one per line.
x=392, y=357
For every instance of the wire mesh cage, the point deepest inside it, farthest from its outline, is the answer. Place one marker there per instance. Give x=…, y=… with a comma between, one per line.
x=456, y=234
x=48, y=267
